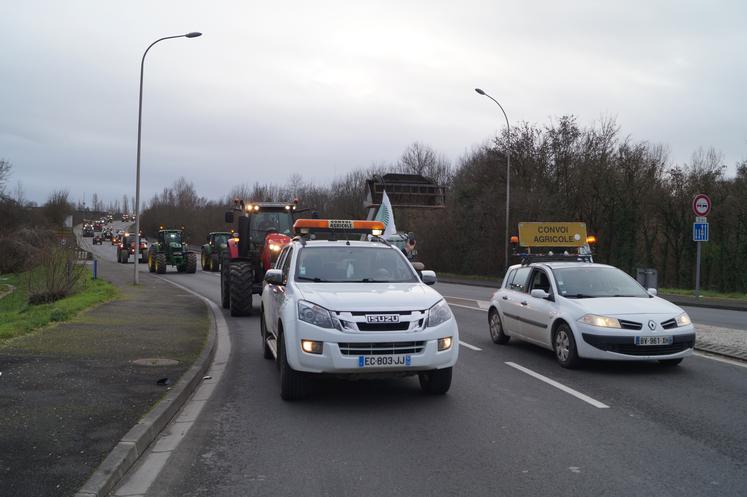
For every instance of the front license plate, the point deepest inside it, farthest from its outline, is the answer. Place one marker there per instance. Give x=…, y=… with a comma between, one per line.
x=653, y=340
x=384, y=361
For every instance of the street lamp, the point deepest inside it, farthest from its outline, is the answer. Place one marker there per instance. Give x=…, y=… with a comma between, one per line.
x=508, y=167
x=193, y=34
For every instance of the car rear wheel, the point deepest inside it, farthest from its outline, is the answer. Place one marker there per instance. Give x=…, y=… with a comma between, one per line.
x=670, y=363
x=564, y=346
x=436, y=382
x=496, y=328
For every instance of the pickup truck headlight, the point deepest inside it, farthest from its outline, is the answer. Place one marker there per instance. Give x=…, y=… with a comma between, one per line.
x=683, y=319
x=439, y=313
x=601, y=321
x=317, y=315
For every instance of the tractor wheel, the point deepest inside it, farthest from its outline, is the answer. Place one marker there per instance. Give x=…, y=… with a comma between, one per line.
x=225, y=289
x=214, y=263
x=191, y=266
x=160, y=263
x=204, y=261
x=240, y=286
x=151, y=263
x=181, y=268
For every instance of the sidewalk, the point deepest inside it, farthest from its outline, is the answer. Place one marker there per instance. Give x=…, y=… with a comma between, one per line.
x=70, y=392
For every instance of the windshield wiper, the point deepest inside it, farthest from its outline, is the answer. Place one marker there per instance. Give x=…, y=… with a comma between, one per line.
x=369, y=280
x=580, y=296
x=315, y=280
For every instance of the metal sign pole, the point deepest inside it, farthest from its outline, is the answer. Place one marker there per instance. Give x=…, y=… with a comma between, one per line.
x=697, y=269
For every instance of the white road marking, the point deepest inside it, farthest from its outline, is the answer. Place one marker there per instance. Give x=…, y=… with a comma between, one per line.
x=559, y=386
x=145, y=473
x=469, y=346
x=726, y=360
x=467, y=307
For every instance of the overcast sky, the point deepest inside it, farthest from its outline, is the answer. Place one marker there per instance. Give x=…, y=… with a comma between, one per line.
x=321, y=88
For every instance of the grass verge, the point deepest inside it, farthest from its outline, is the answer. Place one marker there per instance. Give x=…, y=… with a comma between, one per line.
x=704, y=293
x=18, y=318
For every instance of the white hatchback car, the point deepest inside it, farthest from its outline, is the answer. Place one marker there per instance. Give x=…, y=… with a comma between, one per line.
x=355, y=308
x=588, y=311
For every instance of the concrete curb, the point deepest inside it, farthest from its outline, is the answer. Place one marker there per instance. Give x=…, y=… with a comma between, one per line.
x=136, y=441
x=675, y=299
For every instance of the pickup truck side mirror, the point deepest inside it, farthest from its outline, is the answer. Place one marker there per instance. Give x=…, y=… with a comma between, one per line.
x=653, y=292
x=274, y=277
x=428, y=277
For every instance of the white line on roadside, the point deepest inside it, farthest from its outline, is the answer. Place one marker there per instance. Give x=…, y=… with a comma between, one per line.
x=721, y=359
x=469, y=346
x=466, y=307
x=559, y=386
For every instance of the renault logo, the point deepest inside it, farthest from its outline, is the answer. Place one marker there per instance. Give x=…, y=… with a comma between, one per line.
x=652, y=325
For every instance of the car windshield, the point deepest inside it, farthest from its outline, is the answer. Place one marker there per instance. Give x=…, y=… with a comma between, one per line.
x=351, y=264
x=590, y=282
x=262, y=222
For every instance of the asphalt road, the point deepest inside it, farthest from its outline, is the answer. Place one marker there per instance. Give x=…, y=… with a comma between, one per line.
x=640, y=430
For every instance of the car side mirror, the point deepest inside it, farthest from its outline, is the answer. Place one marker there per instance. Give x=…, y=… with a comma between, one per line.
x=229, y=217
x=428, y=277
x=539, y=294
x=653, y=292
x=274, y=277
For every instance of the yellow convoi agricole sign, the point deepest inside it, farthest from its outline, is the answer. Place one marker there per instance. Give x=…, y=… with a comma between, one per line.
x=552, y=234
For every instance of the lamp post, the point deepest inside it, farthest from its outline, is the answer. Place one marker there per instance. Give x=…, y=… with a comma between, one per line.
x=193, y=34
x=508, y=167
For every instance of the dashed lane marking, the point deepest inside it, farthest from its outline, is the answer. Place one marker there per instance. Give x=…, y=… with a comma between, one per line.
x=559, y=386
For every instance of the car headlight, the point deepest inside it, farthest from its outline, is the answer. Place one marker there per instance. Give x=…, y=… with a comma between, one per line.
x=683, y=319
x=439, y=313
x=601, y=321
x=317, y=315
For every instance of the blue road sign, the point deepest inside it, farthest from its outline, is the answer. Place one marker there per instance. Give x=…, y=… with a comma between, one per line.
x=700, y=232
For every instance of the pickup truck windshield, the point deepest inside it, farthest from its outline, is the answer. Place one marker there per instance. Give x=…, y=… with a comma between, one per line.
x=351, y=264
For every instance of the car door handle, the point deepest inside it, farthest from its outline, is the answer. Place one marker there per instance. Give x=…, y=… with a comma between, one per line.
x=524, y=303
x=505, y=298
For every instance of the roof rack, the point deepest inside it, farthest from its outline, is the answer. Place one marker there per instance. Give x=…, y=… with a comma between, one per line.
x=527, y=259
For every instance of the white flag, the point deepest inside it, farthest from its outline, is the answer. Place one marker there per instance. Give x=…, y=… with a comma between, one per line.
x=386, y=216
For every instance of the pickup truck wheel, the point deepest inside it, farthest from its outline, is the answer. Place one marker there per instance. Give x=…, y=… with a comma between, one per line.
x=266, y=351
x=496, y=328
x=435, y=382
x=564, y=346
x=293, y=384
x=240, y=285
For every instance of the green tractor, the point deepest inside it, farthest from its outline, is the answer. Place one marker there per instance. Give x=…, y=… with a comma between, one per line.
x=171, y=250
x=217, y=241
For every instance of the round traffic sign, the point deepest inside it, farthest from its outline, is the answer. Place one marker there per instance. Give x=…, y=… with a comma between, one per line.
x=701, y=204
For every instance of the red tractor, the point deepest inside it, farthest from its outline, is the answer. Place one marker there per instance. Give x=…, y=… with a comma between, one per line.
x=264, y=228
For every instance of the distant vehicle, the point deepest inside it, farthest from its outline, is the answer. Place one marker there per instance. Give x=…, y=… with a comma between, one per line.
x=88, y=230
x=217, y=241
x=127, y=248
x=582, y=310
x=97, y=226
x=170, y=249
x=125, y=218
x=116, y=238
x=355, y=309
x=97, y=239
